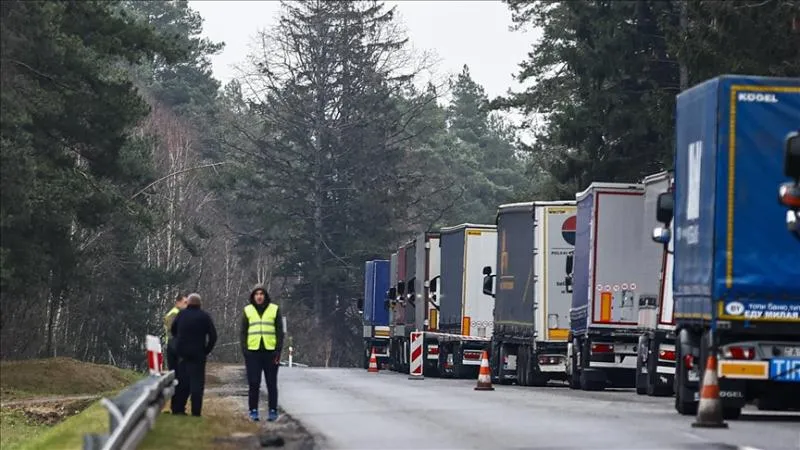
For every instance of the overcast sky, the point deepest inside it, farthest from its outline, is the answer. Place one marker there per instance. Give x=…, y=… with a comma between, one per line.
x=475, y=33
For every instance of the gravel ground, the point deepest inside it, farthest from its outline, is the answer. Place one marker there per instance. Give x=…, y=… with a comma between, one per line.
x=286, y=432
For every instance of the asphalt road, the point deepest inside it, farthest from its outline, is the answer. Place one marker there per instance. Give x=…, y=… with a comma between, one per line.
x=353, y=409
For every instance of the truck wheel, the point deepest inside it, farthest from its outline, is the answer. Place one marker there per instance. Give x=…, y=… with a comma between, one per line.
x=590, y=384
x=366, y=358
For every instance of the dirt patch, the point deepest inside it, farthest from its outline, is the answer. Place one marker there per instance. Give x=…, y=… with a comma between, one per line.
x=51, y=412
x=286, y=433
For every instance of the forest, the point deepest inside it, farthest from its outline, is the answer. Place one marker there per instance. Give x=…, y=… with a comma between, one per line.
x=129, y=173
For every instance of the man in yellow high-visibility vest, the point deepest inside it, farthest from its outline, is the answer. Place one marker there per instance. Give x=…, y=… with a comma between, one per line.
x=262, y=341
x=180, y=304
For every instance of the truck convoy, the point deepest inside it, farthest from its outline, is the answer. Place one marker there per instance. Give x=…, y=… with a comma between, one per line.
x=531, y=312
x=736, y=276
x=409, y=303
x=724, y=282
x=455, y=320
x=375, y=316
x=655, y=367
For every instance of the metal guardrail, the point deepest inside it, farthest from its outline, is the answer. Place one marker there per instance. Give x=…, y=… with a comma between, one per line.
x=133, y=413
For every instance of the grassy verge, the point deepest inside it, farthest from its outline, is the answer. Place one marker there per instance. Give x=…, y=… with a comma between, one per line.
x=60, y=377
x=41, y=389
x=221, y=420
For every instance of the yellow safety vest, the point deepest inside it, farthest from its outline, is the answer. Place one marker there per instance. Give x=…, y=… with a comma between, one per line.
x=261, y=327
x=168, y=318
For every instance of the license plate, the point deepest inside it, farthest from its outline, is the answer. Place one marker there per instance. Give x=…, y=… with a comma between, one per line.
x=785, y=369
x=790, y=352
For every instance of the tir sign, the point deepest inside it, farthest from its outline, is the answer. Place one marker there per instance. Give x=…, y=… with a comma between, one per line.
x=693, y=191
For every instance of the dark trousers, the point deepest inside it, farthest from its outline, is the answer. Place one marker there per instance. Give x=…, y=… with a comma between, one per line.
x=191, y=376
x=172, y=359
x=258, y=362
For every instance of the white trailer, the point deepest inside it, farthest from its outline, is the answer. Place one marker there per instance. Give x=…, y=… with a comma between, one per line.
x=609, y=278
x=465, y=314
x=553, y=242
x=655, y=367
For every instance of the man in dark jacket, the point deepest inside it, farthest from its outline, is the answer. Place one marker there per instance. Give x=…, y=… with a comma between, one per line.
x=195, y=336
x=262, y=341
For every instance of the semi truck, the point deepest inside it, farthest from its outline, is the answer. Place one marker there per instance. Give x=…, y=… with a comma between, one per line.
x=465, y=314
x=412, y=307
x=609, y=277
x=375, y=315
x=736, y=272
x=655, y=367
x=531, y=310
x=400, y=322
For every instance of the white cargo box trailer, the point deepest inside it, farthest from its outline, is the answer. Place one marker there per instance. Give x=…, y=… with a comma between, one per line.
x=465, y=313
x=554, y=242
x=609, y=278
x=655, y=366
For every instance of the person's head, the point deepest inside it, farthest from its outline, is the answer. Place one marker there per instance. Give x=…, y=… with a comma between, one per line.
x=259, y=295
x=194, y=300
x=181, y=301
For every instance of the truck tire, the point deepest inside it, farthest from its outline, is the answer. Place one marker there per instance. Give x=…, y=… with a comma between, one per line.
x=366, y=358
x=588, y=383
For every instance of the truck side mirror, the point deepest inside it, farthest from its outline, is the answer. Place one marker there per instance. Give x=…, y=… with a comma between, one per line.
x=433, y=284
x=791, y=164
x=360, y=305
x=488, y=284
x=570, y=262
x=665, y=204
x=487, y=270
x=401, y=288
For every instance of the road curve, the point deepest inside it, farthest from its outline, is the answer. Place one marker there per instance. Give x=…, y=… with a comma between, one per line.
x=353, y=409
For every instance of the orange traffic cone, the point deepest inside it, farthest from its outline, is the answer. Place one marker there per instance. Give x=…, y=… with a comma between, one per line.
x=373, y=362
x=484, y=374
x=709, y=411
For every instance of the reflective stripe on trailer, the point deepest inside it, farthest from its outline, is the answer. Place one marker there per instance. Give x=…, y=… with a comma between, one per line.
x=433, y=351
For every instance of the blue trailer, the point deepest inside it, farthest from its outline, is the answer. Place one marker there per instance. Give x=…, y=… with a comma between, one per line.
x=375, y=314
x=736, y=269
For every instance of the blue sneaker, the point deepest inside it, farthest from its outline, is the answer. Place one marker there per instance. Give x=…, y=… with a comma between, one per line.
x=273, y=415
x=254, y=415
